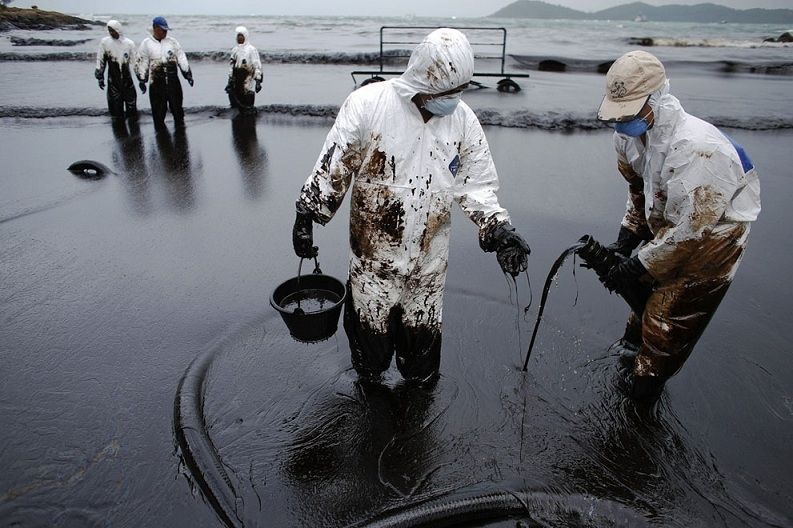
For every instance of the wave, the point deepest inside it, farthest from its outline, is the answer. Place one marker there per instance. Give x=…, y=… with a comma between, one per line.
x=563, y=64
x=369, y=58
x=678, y=42
x=398, y=57
x=274, y=113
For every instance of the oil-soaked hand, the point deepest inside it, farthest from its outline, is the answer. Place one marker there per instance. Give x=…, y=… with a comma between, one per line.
x=624, y=274
x=513, y=253
x=303, y=234
x=142, y=87
x=626, y=242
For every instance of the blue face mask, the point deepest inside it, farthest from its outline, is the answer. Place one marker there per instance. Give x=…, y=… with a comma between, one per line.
x=633, y=128
x=444, y=105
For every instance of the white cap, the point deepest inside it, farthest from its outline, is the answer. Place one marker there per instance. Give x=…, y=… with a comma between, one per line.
x=629, y=82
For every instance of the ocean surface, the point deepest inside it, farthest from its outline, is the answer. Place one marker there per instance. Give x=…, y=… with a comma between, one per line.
x=753, y=76
x=145, y=380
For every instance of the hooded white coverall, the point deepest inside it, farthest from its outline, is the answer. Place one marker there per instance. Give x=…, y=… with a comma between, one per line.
x=120, y=57
x=160, y=61
x=405, y=175
x=245, y=73
x=693, y=196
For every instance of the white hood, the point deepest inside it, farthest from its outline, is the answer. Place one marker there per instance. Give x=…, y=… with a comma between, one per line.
x=116, y=26
x=241, y=30
x=443, y=61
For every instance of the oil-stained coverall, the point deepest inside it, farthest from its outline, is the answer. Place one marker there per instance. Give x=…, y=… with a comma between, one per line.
x=692, y=196
x=245, y=76
x=405, y=174
x=119, y=55
x=159, y=62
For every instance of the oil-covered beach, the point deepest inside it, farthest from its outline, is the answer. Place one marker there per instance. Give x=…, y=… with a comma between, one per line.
x=147, y=381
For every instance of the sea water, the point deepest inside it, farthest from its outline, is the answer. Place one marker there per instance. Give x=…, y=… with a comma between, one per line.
x=753, y=76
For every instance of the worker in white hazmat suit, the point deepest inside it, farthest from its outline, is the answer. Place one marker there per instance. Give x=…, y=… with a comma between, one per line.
x=118, y=54
x=693, y=194
x=410, y=148
x=160, y=58
x=245, y=75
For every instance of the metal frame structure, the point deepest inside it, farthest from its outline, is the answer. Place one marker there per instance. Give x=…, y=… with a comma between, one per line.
x=489, y=45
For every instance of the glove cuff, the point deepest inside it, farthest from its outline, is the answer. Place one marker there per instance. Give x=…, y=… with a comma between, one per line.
x=635, y=266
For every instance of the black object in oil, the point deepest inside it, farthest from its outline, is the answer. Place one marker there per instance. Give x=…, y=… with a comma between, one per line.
x=309, y=301
x=601, y=260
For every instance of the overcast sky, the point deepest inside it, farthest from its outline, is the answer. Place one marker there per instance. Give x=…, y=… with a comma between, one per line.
x=459, y=8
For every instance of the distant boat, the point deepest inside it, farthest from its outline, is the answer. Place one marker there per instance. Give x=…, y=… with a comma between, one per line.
x=640, y=18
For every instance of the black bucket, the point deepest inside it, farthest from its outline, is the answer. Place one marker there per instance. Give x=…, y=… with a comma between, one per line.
x=310, y=305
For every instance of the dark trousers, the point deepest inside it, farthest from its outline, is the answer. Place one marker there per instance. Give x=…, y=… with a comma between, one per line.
x=166, y=94
x=418, y=350
x=121, y=95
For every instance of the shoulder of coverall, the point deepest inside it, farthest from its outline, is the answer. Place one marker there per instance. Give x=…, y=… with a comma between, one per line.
x=442, y=61
x=695, y=137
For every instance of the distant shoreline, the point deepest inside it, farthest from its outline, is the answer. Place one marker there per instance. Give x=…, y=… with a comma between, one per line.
x=12, y=18
x=642, y=12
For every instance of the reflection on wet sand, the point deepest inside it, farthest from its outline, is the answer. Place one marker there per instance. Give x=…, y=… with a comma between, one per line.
x=251, y=155
x=172, y=163
x=130, y=158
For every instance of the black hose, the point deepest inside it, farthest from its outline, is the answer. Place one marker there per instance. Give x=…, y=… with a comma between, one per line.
x=197, y=450
x=472, y=507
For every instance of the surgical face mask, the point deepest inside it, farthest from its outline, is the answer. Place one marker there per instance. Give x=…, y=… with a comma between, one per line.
x=633, y=128
x=444, y=105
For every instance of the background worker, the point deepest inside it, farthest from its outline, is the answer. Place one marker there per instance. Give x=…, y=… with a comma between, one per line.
x=693, y=194
x=160, y=59
x=118, y=53
x=409, y=147
x=245, y=75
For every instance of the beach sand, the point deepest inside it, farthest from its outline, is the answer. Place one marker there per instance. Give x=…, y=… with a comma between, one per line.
x=112, y=286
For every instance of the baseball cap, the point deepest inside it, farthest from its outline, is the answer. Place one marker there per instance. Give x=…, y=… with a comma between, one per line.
x=629, y=83
x=160, y=22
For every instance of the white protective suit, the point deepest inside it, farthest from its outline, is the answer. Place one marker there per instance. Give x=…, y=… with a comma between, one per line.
x=245, y=57
x=120, y=57
x=694, y=181
x=160, y=61
x=693, y=197
x=155, y=55
x=121, y=50
x=405, y=175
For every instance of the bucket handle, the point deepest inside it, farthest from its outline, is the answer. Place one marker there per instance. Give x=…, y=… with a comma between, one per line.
x=300, y=267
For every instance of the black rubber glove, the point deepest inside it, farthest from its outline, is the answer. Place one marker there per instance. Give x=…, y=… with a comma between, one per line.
x=189, y=77
x=626, y=242
x=303, y=233
x=624, y=274
x=142, y=87
x=229, y=86
x=258, y=86
x=101, y=84
x=512, y=252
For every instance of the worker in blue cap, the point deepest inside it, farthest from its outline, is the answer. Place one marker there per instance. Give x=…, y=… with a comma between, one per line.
x=160, y=59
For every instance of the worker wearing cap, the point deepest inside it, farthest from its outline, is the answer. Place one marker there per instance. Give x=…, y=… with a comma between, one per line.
x=160, y=59
x=118, y=54
x=692, y=195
